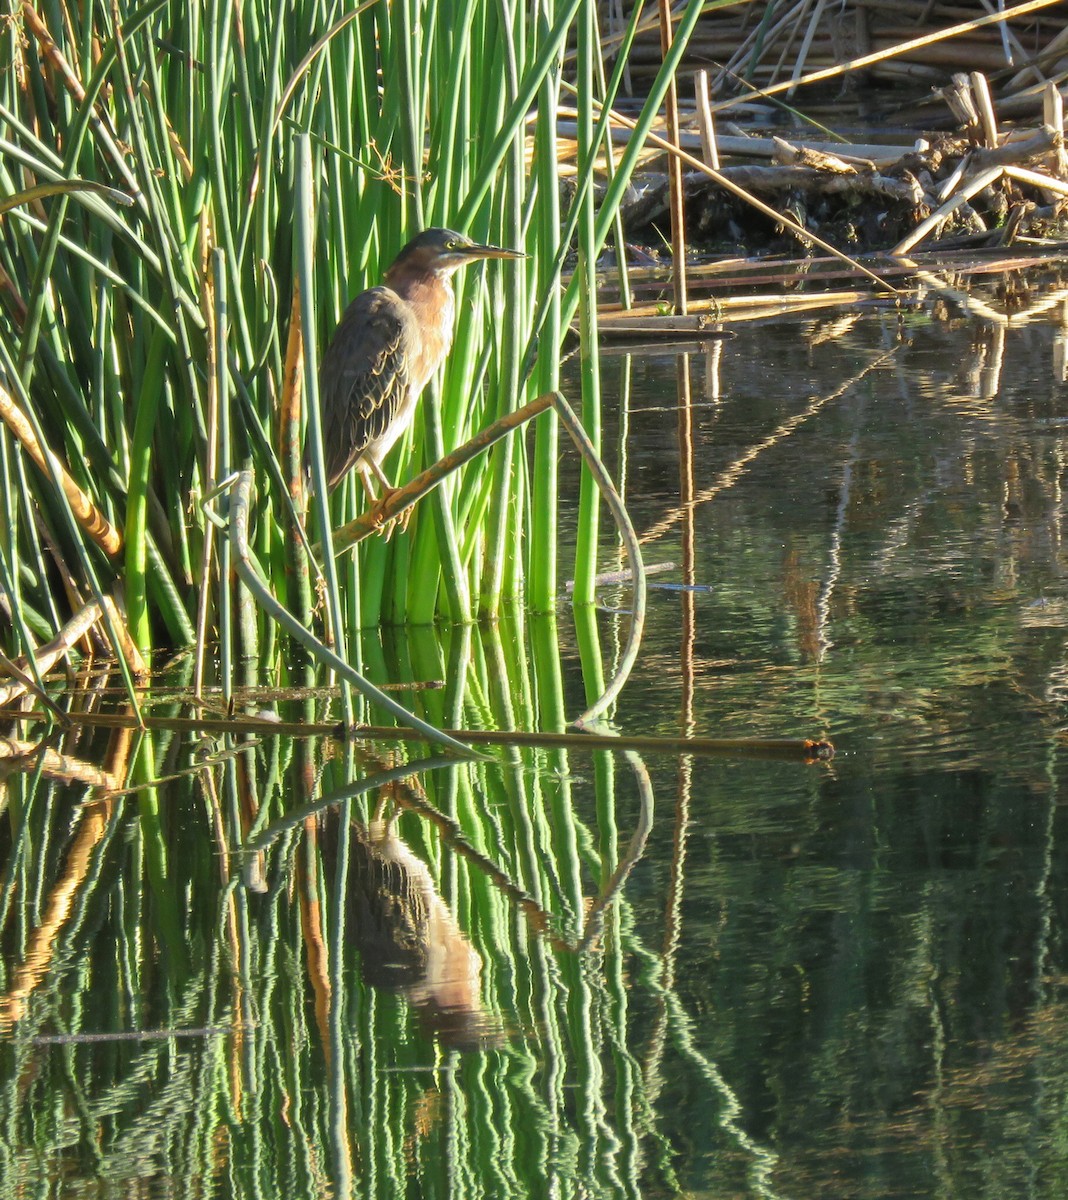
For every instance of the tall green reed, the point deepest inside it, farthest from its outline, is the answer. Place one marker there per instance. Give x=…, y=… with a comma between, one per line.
x=266, y=150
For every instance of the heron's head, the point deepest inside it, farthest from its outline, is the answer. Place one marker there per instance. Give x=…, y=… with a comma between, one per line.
x=443, y=251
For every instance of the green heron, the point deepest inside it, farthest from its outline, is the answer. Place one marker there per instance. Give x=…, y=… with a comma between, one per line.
x=387, y=346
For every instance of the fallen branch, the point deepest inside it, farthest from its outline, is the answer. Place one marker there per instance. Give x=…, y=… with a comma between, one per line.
x=809, y=749
x=400, y=500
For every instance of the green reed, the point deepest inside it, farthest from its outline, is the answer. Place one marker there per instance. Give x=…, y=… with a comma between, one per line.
x=271, y=162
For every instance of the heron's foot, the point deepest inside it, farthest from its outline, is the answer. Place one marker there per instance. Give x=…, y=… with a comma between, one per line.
x=387, y=525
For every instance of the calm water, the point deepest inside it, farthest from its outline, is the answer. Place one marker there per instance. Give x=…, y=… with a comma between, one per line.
x=602, y=975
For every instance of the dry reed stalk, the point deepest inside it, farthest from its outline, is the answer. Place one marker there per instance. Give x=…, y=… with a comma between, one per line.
x=792, y=34
x=806, y=46
x=770, y=36
x=705, y=122
x=126, y=647
x=988, y=124
x=68, y=637
x=1058, y=46
x=1053, y=120
x=676, y=199
x=54, y=55
x=706, y=316
x=1047, y=182
x=204, y=597
x=86, y=513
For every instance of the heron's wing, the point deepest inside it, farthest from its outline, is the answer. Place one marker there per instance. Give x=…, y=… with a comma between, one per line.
x=364, y=376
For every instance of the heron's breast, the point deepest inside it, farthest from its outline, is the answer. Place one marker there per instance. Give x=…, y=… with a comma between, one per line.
x=433, y=308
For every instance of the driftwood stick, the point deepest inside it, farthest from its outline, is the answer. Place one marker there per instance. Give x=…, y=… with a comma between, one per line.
x=734, y=146
x=988, y=125
x=806, y=749
x=1035, y=148
x=1023, y=175
x=983, y=180
x=1053, y=119
x=705, y=123
x=811, y=180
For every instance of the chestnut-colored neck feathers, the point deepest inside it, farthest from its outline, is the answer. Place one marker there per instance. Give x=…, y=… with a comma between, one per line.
x=428, y=293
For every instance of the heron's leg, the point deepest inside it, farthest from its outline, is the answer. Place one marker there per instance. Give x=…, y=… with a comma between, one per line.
x=366, y=468
x=364, y=471
x=376, y=466
x=389, y=524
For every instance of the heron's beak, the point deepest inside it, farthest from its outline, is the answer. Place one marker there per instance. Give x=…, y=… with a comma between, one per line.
x=477, y=251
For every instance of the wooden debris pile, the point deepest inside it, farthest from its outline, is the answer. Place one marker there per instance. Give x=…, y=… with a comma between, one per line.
x=980, y=186
x=772, y=46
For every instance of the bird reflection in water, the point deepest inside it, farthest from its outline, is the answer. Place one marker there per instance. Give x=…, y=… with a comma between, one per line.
x=409, y=941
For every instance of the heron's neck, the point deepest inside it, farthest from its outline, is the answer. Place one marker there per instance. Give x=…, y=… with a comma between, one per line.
x=429, y=295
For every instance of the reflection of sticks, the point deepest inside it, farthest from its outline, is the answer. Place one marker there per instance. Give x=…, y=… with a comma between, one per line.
x=732, y=474
x=203, y=763
x=977, y=307
x=93, y=824
x=21, y=755
x=823, y=601
x=540, y=920
x=379, y=779
x=408, y=795
x=807, y=749
x=90, y=830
